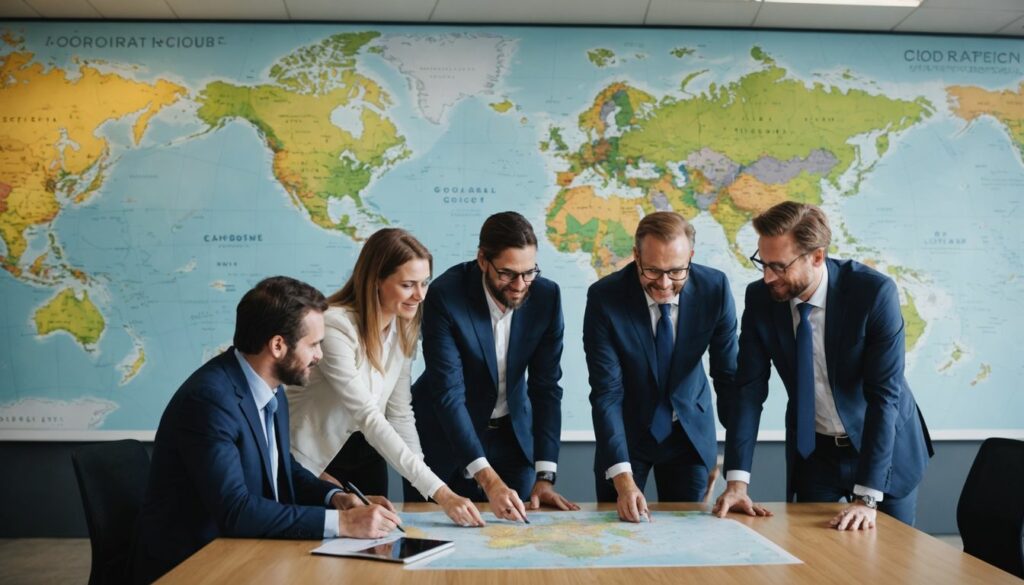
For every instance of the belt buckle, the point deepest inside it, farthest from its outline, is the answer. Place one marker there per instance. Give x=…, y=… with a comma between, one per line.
x=842, y=440
x=492, y=424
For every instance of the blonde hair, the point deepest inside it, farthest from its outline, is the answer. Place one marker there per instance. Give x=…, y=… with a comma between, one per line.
x=666, y=226
x=807, y=223
x=382, y=254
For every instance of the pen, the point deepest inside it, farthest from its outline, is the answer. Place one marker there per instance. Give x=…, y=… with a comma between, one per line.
x=352, y=489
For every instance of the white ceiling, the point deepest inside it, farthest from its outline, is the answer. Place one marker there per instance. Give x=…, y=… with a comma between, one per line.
x=995, y=17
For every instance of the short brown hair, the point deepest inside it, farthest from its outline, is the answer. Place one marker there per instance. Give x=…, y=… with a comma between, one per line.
x=275, y=306
x=666, y=226
x=382, y=254
x=505, y=230
x=807, y=224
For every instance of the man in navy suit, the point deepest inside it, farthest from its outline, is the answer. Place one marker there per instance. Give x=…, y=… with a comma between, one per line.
x=487, y=428
x=215, y=473
x=645, y=331
x=834, y=331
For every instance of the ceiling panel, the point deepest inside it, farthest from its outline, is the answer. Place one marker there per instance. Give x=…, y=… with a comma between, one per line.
x=381, y=10
x=702, y=13
x=64, y=8
x=975, y=4
x=958, y=21
x=229, y=9
x=1015, y=28
x=830, y=17
x=142, y=9
x=17, y=9
x=542, y=11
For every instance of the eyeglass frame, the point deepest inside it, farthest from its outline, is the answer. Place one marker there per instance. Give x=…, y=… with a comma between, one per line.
x=510, y=276
x=779, y=271
x=644, y=269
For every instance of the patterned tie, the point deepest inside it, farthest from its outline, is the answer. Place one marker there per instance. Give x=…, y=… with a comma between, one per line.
x=661, y=422
x=268, y=416
x=804, y=382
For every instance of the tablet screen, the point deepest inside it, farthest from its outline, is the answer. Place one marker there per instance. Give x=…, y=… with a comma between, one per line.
x=404, y=549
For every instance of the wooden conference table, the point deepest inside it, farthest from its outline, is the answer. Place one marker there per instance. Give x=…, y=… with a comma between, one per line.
x=892, y=553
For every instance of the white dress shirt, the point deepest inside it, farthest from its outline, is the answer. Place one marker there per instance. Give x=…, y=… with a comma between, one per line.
x=501, y=326
x=655, y=311
x=262, y=393
x=826, y=415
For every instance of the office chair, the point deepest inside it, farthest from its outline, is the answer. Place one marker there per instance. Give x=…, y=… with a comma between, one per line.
x=112, y=480
x=990, y=514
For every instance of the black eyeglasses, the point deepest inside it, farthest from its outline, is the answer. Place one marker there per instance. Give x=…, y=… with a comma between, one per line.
x=512, y=275
x=674, y=274
x=777, y=267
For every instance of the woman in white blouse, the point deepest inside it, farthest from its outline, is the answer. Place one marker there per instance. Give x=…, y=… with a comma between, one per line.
x=355, y=414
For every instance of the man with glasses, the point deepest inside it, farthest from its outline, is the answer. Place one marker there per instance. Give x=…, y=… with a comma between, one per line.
x=834, y=331
x=488, y=405
x=645, y=331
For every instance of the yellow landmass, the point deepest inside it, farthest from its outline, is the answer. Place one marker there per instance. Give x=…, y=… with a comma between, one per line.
x=502, y=107
x=1007, y=106
x=133, y=370
x=983, y=374
x=78, y=317
x=52, y=135
x=584, y=205
x=750, y=194
x=913, y=323
x=570, y=539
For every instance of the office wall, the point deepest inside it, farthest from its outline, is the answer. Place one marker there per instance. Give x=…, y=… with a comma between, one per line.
x=39, y=496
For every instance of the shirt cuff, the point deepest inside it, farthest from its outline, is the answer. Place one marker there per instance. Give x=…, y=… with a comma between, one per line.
x=545, y=466
x=475, y=466
x=737, y=475
x=330, y=494
x=859, y=490
x=618, y=468
x=331, y=523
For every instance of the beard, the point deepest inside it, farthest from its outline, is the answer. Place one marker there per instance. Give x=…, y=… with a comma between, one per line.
x=783, y=291
x=500, y=296
x=290, y=371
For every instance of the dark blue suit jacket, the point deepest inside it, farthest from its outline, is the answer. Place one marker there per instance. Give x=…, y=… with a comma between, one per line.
x=454, y=397
x=210, y=474
x=622, y=362
x=864, y=351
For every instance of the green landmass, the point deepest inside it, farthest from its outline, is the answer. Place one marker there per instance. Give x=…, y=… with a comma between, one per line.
x=77, y=317
x=601, y=57
x=680, y=52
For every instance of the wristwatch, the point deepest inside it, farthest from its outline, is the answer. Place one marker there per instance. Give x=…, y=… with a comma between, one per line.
x=868, y=501
x=548, y=476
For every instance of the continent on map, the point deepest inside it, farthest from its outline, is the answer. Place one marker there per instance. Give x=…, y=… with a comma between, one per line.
x=324, y=166
x=443, y=70
x=75, y=316
x=732, y=151
x=51, y=155
x=1007, y=107
x=602, y=57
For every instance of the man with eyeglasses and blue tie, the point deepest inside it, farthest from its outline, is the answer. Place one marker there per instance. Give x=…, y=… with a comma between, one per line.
x=645, y=332
x=834, y=332
x=489, y=405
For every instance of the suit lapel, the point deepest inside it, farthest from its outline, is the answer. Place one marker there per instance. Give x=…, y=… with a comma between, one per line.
x=284, y=471
x=783, y=316
x=248, y=405
x=640, y=317
x=833, y=319
x=688, y=316
x=480, y=315
x=515, y=338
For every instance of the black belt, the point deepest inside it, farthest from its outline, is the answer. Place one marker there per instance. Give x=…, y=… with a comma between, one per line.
x=497, y=423
x=832, y=441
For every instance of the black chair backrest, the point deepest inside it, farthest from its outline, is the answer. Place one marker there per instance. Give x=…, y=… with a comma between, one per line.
x=990, y=514
x=112, y=480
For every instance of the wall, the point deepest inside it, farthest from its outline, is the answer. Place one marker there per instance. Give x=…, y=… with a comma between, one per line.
x=39, y=495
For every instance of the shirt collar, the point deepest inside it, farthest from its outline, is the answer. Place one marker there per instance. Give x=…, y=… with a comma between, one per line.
x=387, y=338
x=496, y=313
x=820, y=295
x=651, y=302
x=261, y=391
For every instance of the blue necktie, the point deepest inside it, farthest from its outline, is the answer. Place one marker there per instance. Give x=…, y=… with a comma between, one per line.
x=804, y=382
x=661, y=422
x=268, y=416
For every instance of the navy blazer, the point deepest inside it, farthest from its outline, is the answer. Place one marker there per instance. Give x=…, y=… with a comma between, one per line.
x=210, y=474
x=864, y=352
x=454, y=397
x=621, y=359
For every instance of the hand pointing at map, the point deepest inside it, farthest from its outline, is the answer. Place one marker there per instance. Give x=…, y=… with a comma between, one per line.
x=505, y=502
